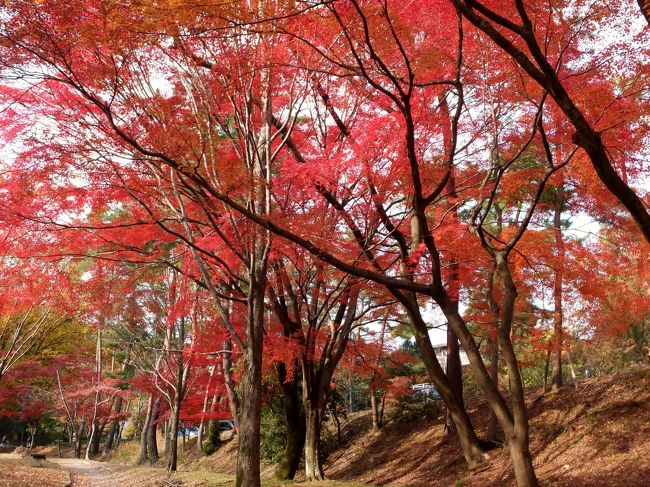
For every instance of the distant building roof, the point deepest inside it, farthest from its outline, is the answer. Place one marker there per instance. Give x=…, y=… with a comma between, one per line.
x=441, y=354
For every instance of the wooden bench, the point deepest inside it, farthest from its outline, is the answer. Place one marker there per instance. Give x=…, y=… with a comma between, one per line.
x=37, y=459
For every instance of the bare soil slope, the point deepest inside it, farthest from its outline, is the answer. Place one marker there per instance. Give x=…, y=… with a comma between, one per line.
x=595, y=434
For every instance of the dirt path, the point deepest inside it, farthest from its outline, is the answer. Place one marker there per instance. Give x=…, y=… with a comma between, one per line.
x=86, y=473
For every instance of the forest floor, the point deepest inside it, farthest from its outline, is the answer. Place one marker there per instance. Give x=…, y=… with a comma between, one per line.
x=594, y=434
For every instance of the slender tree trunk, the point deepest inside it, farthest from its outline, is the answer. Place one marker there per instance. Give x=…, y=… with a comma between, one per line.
x=376, y=413
x=493, y=424
x=556, y=377
x=547, y=363
x=453, y=367
x=166, y=436
x=374, y=407
x=206, y=397
x=77, y=435
x=120, y=430
x=454, y=375
x=178, y=397
x=91, y=439
x=113, y=428
x=470, y=444
x=518, y=434
x=172, y=453
x=231, y=394
x=144, y=453
x=98, y=377
x=95, y=446
x=152, y=440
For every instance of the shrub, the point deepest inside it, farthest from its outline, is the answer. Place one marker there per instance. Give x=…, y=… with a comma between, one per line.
x=273, y=432
x=214, y=442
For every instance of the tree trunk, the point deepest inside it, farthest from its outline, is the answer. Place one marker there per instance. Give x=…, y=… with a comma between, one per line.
x=377, y=413
x=233, y=398
x=522, y=461
x=644, y=5
x=248, y=450
x=94, y=428
x=152, y=441
x=493, y=424
x=95, y=446
x=113, y=428
x=295, y=417
x=178, y=397
x=518, y=434
x=173, y=440
x=454, y=375
x=374, y=406
x=469, y=442
x=118, y=435
x=76, y=439
x=313, y=466
x=144, y=452
x=546, y=367
x=556, y=377
x=91, y=439
x=206, y=398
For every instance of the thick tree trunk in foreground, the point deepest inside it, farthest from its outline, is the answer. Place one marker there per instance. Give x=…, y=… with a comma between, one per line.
x=514, y=423
x=248, y=450
x=522, y=460
x=313, y=466
x=295, y=417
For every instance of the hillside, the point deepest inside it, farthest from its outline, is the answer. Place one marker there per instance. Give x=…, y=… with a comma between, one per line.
x=595, y=434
